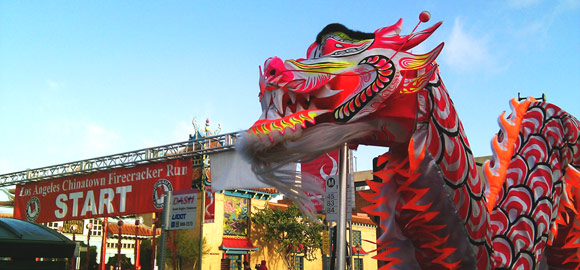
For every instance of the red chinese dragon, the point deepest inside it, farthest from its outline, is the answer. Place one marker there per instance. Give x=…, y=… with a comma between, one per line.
x=436, y=212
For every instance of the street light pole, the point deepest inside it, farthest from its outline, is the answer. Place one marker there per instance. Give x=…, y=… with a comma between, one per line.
x=105, y=225
x=153, y=245
x=120, y=223
x=89, y=227
x=136, y=257
x=358, y=249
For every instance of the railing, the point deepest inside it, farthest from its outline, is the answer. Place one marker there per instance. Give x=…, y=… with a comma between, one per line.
x=195, y=148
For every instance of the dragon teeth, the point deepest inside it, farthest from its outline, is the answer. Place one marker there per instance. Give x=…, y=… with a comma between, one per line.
x=266, y=100
x=292, y=97
x=277, y=97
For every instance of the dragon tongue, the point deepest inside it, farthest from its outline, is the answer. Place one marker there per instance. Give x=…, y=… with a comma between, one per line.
x=299, y=119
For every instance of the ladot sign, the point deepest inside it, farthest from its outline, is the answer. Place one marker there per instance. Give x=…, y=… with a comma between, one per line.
x=116, y=192
x=183, y=210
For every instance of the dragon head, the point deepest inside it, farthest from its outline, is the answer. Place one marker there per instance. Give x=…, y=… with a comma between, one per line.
x=352, y=87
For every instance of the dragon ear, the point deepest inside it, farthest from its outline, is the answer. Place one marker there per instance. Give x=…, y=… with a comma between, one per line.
x=416, y=38
x=389, y=31
x=415, y=62
x=311, y=50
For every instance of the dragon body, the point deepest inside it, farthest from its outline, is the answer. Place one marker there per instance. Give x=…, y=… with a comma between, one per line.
x=436, y=212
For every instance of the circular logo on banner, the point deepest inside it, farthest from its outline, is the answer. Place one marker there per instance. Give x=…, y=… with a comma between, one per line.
x=159, y=189
x=32, y=209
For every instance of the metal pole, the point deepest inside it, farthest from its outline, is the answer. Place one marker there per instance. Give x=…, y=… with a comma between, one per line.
x=350, y=259
x=105, y=225
x=90, y=227
x=153, y=247
x=120, y=223
x=74, y=257
x=137, y=222
x=342, y=201
x=164, y=225
x=202, y=220
x=174, y=248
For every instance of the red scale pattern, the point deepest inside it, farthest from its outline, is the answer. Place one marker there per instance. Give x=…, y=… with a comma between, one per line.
x=528, y=203
x=449, y=146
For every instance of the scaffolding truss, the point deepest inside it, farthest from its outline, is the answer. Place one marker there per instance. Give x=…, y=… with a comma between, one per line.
x=192, y=148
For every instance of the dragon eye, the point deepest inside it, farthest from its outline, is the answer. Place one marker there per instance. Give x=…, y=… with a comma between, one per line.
x=338, y=45
x=272, y=72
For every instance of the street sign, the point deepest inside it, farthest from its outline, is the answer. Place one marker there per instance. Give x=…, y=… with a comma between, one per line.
x=331, y=198
x=331, y=203
x=183, y=210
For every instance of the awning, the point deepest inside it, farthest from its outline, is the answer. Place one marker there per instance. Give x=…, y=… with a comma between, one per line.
x=237, y=245
x=24, y=239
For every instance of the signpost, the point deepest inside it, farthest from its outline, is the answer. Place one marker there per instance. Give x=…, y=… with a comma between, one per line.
x=339, y=202
x=183, y=210
x=331, y=203
x=179, y=210
x=342, y=199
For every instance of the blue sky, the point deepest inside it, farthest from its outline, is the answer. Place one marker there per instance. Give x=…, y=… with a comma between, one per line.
x=81, y=79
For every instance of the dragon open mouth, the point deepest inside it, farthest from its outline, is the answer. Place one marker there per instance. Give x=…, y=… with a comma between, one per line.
x=287, y=111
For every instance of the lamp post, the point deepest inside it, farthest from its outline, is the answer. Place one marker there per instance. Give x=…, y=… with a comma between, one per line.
x=104, y=243
x=137, y=222
x=358, y=249
x=120, y=223
x=153, y=248
x=89, y=227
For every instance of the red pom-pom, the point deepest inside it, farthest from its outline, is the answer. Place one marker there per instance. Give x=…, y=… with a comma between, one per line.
x=425, y=16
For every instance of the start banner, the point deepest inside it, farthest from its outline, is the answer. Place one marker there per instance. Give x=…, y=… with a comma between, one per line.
x=115, y=192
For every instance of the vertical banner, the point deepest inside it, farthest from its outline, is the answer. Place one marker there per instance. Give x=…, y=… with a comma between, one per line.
x=116, y=192
x=321, y=168
x=209, y=205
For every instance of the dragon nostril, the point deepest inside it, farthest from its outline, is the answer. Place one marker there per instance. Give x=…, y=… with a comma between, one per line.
x=273, y=72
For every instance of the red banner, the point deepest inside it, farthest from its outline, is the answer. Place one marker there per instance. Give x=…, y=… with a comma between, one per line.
x=209, y=205
x=321, y=168
x=116, y=192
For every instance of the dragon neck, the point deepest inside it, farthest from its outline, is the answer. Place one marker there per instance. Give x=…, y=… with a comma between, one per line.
x=434, y=181
x=532, y=186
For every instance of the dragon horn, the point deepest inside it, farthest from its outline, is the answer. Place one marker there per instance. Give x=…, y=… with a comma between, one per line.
x=417, y=38
x=388, y=31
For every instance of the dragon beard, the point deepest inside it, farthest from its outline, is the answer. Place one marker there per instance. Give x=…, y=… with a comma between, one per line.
x=271, y=164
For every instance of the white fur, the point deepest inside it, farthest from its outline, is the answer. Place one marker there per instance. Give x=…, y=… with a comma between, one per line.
x=315, y=141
